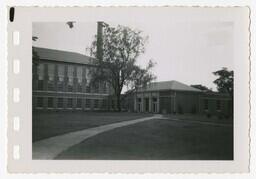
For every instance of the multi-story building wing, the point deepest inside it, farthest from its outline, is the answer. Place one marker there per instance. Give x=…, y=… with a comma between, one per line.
x=62, y=81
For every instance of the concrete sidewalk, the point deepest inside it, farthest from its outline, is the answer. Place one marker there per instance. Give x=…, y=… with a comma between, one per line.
x=49, y=148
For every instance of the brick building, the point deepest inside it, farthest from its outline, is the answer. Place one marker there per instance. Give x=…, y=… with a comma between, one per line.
x=61, y=81
x=176, y=97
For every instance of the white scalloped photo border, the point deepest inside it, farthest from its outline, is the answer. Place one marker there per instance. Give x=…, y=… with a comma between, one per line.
x=20, y=98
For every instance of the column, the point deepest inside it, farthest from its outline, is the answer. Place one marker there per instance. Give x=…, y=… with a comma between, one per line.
x=75, y=80
x=135, y=102
x=142, y=102
x=65, y=81
x=84, y=80
x=35, y=76
x=45, y=83
x=150, y=102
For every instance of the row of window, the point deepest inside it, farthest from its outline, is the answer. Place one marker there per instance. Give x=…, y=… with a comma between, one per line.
x=153, y=99
x=70, y=102
x=70, y=86
x=51, y=70
x=206, y=105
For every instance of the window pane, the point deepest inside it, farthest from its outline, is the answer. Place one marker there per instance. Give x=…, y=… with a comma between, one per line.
x=40, y=71
x=79, y=71
x=70, y=84
x=40, y=84
x=60, y=84
x=88, y=103
x=79, y=87
x=206, y=104
x=50, y=102
x=61, y=70
x=40, y=102
x=104, y=103
x=69, y=104
x=218, y=105
x=60, y=102
x=88, y=88
x=79, y=103
x=51, y=70
x=96, y=103
x=70, y=71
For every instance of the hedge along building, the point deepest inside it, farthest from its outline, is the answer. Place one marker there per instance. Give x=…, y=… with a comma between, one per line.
x=176, y=97
x=62, y=81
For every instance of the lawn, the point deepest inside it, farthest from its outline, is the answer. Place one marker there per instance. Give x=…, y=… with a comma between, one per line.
x=157, y=139
x=48, y=124
x=202, y=118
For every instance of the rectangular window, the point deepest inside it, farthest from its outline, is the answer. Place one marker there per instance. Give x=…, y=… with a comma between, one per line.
x=70, y=103
x=79, y=85
x=50, y=102
x=96, y=88
x=104, y=104
x=50, y=84
x=79, y=72
x=206, y=104
x=104, y=88
x=61, y=74
x=70, y=84
x=40, y=102
x=87, y=74
x=60, y=83
x=40, y=71
x=51, y=70
x=40, y=84
x=218, y=106
x=61, y=70
x=96, y=103
x=60, y=102
x=70, y=71
x=88, y=88
x=88, y=103
x=79, y=103
x=113, y=104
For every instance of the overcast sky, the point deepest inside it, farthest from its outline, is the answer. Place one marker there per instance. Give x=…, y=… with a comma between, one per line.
x=184, y=50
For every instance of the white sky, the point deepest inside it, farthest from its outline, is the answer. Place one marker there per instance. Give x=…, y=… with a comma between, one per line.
x=185, y=50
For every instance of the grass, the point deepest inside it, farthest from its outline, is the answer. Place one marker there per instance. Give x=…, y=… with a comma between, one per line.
x=158, y=139
x=200, y=117
x=49, y=124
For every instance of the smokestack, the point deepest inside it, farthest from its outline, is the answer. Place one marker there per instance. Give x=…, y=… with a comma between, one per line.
x=99, y=54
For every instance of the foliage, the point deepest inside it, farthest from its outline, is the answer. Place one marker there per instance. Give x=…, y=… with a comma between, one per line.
x=35, y=56
x=201, y=87
x=121, y=46
x=224, y=81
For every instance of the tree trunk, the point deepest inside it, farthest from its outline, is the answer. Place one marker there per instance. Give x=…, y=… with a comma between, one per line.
x=118, y=102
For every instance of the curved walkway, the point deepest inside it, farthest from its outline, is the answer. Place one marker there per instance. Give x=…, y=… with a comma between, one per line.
x=51, y=147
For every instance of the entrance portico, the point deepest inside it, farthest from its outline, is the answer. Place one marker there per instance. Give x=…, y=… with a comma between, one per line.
x=147, y=102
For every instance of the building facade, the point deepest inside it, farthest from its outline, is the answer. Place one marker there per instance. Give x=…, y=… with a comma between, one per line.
x=176, y=97
x=62, y=81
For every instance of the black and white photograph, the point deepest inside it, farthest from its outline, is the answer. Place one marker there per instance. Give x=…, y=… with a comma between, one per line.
x=133, y=89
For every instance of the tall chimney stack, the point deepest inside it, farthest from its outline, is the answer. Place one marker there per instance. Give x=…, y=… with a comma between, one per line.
x=99, y=54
